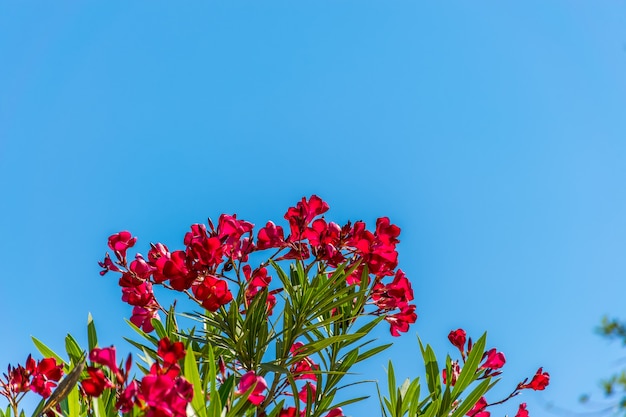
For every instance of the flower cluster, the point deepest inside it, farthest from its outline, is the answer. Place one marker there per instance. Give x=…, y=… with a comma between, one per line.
x=36, y=376
x=215, y=255
x=492, y=363
x=162, y=392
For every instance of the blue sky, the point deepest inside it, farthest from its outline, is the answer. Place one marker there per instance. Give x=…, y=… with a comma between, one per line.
x=493, y=133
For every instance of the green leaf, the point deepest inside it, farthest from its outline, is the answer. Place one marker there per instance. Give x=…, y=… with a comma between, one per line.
x=270, y=367
x=432, y=409
x=472, y=398
x=92, y=337
x=432, y=370
x=391, y=385
x=158, y=327
x=193, y=376
x=46, y=351
x=374, y=351
x=39, y=408
x=468, y=373
x=143, y=334
x=73, y=349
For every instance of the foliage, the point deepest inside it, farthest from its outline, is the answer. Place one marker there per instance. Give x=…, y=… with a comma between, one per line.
x=276, y=340
x=613, y=387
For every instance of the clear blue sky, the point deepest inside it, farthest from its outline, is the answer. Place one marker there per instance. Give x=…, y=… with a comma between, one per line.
x=493, y=133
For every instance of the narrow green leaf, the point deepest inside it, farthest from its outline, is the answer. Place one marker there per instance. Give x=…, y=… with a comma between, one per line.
x=472, y=398
x=191, y=373
x=372, y=352
x=391, y=386
x=270, y=367
x=73, y=349
x=468, y=373
x=39, y=408
x=143, y=334
x=432, y=371
x=92, y=337
x=159, y=328
x=46, y=351
x=431, y=411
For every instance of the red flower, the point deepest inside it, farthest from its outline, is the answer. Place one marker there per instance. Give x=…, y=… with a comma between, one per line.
x=177, y=271
x=539, y=382
x=18, y=380
x=335, y=412
x=96, y=383
x=120, y=242
x=249, y=380
x=288, y=412
x=207, y=251
x=212, y=292
x=302, y=214
x=271, y=236
x=229, y=231
x=386, y=232
x=157, y=258
x=521, y=411
x=45, y=377
x=479, y=409
x=495, y=360
x=397, y=294
x=400, y=321
x=170, y=352
x=457, y=338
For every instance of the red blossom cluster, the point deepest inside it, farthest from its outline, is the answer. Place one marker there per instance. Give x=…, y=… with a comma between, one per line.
x=37, y=376
x=163, y=392
x=212, y=255
x=493, y=361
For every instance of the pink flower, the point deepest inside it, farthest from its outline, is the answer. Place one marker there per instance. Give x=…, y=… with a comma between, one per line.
x=139, y=295
x=108, y=265
x=120, y=242
x=270, y=236
x=128, y=397
x=104, y=356
x=143, y=315
x=165, y=396
x=304, y=368
x=495, y=360
x=249, y=380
